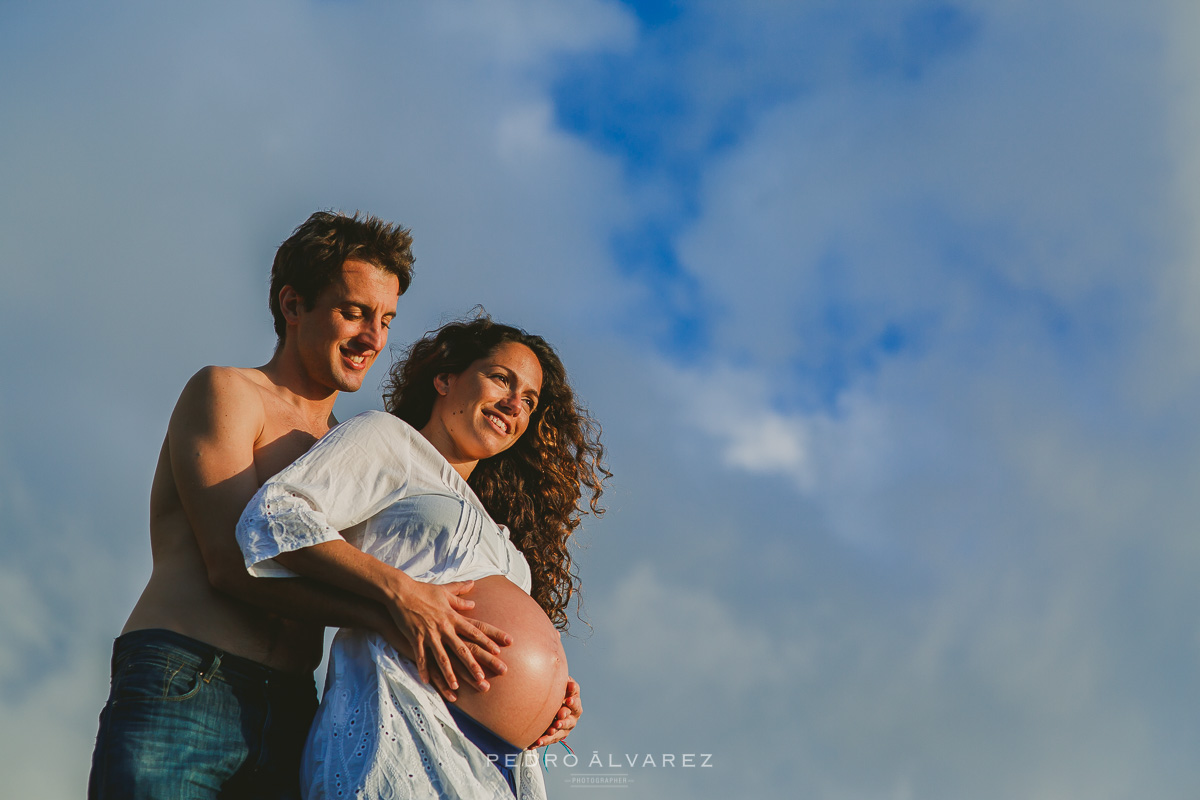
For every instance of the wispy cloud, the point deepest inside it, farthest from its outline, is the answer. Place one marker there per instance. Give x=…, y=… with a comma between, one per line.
x=888, y=311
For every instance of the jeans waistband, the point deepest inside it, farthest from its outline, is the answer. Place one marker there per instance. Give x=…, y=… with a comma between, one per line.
x=231, y=665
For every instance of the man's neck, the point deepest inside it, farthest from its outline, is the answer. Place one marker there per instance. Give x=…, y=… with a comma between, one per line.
x=312, y=400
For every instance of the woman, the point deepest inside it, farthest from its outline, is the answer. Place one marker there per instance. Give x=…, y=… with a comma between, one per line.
x=483, y=429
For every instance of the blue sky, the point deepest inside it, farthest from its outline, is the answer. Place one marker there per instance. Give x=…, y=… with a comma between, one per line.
x=888, y=311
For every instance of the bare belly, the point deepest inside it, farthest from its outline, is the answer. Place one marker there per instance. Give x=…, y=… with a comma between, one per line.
x=521, y=703
x=179, y=598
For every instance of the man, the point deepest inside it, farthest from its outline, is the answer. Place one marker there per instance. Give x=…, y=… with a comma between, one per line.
x=212, y=690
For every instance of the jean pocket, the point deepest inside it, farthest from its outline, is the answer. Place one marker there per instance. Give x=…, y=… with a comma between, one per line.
x=162, y=678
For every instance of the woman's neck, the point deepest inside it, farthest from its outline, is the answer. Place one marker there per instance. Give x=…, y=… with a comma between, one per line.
x=444, y=444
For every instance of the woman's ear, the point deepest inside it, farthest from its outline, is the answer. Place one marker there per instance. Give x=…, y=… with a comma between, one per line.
x=441, y=383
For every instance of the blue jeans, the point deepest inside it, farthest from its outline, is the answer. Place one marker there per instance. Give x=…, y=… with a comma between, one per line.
x=187, y=721
x=504, y=755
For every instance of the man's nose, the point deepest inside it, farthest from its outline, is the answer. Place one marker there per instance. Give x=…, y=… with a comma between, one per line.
x=373, y=334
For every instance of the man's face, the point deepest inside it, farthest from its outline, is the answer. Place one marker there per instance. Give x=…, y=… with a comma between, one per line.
x=347, y=326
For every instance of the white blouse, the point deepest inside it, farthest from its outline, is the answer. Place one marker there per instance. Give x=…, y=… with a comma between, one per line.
x=380, y=731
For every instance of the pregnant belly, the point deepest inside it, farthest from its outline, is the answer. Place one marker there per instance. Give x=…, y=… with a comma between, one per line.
x=522, y=702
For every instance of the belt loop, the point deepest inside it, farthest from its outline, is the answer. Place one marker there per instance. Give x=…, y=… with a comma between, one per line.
x=213, y=667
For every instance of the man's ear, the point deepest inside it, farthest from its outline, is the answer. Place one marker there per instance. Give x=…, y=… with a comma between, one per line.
x=290, y=303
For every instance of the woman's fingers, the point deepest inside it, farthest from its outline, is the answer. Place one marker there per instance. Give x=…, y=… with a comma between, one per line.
x=419, y=652
x=443, y=661
x=565, y=719
x=439, y=683
x=467, y=658
x=573, y=705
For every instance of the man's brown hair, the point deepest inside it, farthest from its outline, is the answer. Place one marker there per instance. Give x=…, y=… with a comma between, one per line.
x=312, y=257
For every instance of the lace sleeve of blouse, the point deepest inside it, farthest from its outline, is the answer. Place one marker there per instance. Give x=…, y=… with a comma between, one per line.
x=352, y=472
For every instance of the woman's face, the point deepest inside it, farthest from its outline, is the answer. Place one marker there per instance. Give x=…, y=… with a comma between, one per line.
x=484, y=409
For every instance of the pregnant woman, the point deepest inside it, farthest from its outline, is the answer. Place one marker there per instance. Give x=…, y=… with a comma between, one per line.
x=482, y=428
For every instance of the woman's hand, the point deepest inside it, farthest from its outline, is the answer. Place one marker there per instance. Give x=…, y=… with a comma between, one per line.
x=429, y=616
x=566, y=718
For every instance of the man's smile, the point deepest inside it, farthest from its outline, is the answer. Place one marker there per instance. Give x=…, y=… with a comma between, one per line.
x=359, y=360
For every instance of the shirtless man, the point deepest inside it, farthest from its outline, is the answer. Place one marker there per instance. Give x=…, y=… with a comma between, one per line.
x=212, y=689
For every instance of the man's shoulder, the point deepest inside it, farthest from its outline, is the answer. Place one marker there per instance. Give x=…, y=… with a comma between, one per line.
x=218, y=390
x=227, y=382
x=236, y=377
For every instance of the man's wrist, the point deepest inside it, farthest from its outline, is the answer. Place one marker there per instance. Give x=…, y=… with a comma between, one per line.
x=395, y=588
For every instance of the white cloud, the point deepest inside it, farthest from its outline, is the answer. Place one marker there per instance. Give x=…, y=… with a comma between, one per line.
x=50, y=727
x=61, y=609
x=825, y=453
x=952, y=564
x=654, y=627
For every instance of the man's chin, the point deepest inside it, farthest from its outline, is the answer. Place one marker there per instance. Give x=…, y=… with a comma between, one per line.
x=347, y=380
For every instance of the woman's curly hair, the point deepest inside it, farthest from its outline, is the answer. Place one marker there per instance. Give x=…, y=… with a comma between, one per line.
x=533, y=487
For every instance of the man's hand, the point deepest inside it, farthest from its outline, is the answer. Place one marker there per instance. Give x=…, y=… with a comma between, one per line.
x=566, y=718
x=423, y=620
x=429, y=616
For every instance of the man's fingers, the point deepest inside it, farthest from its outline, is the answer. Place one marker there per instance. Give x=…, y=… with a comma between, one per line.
x=489, y=636
x=489, y=661
x=460, y=604
x=457, y=590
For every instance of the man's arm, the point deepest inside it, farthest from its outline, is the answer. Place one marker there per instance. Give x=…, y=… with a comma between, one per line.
x=428, y=615
x=211, y=435
x=211, y=439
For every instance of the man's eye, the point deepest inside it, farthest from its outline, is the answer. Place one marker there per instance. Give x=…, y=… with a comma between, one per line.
x=387, y=323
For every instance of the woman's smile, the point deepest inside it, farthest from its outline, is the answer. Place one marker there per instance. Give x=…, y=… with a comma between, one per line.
x=497, y=421
x=484, y=409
